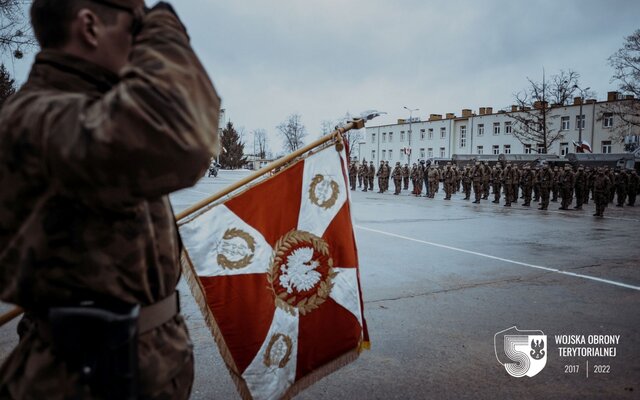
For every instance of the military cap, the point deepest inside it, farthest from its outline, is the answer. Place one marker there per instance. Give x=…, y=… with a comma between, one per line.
x=397, y=162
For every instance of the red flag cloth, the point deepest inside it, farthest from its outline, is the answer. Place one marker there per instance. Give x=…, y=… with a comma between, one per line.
x=278, y=267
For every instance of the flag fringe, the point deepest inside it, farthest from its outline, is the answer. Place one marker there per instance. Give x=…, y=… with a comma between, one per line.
x=321, y=372
x=198, y=294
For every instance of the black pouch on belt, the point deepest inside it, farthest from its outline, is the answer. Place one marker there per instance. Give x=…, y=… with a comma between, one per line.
x=101, y=345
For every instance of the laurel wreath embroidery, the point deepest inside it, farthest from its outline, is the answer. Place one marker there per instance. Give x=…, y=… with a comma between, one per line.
x=283, y=246
x=335, y=190
x=244, y=261
x=268, y=361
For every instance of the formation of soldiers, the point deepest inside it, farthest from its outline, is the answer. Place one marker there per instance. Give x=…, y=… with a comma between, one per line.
x=541, y=183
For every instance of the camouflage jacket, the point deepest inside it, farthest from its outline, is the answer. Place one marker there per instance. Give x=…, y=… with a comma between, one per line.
x=90, y=158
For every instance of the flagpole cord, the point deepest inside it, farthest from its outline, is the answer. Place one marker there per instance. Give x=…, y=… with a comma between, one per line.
x=335, y=135
x=355, y=124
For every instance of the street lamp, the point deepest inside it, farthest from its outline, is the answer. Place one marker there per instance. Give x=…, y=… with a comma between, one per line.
x=582, y=92
x=410, y=125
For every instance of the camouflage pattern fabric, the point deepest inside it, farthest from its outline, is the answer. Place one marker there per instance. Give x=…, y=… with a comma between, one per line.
x=90, y=157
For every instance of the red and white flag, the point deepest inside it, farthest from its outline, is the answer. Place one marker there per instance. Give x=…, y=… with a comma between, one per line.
x=277, y=267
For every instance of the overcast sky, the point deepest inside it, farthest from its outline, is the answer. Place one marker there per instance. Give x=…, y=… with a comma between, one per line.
x=323, y=58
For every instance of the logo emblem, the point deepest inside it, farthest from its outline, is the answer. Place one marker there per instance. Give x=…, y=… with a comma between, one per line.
x=323, y=192
x=521, y=352
x=278, y=351
x=236, y=249
x=301, y=272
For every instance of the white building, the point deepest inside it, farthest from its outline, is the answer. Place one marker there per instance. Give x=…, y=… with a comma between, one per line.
x=492, y=133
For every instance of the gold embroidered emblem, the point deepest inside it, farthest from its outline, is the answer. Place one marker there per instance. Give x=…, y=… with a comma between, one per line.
x=278, y=351
x=319, y=192
x=241, y=251
x=301, y=272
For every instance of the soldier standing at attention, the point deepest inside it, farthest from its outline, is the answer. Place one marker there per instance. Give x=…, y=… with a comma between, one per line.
x=360, y=173
x=449, y=181
x=405, y=176
x=536, y=183
x=601, y=185
x=386, y=175
x=496, y=178
x=555, y=185
x=353, y=172
x=622, y=181
x=508, y=176
x=545, y=178
x=526, y=181
x=567, y=183
x=117, y=113
x=486, y=178
x=379, y=175
x=612, y=185
x=516, y=183
x=634, y=185
x=397, y=178
x=580, y=184
x=477, y=177
x=466, y=182
x=371, y=174
x=589, y=173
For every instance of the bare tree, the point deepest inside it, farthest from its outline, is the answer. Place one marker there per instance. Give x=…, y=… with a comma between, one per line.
x=260, y=143
x=626, y=110
x=7, y=85
x=292, y=132
x=15, y=31
x=533, y=122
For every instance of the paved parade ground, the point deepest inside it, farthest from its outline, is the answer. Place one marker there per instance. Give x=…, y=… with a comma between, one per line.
x=441, y=278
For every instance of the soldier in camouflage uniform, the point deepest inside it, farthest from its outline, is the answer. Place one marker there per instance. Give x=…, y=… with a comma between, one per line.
x=516, y=184
x=361, y=173
x=526, y=182
x=496, y=182
x=106, y=126
x=486, y=180
x=612, y=185
x=353, y=173
x=545, y=177
x=536, y=183
x=477, y=176
x=449, y=181
x=405, y=176
x=567, y=182
x=416, y=179
x=397, y=178
x=386, y=173
x=622, y=181
x=508, y=177
x=380, y=178
x=466, y=182
x=433, y=177
x=634, y=185
x=555, y=185
x=580, y=185
x=601, y=187
x=371, y=174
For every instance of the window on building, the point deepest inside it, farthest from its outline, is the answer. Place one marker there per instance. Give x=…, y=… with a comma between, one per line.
x=430, y=137
x=607, y=120
x=480, y=150
x=506, y=149
x=564, y=149
x=527, y=149
x=373, y=138
x=507, y=128
x=496, y=149
x=443, y=133
x=390, y=155
x=442, y=153
x=580, y=121
x=390, y=137
x=496, y=128
x=421, y=153
x=384, y=155
x=402, y=136
x=463, y=136
x=373, y=154
x=540, y=149
x=422, y=134
x=606, y=146
x=564, y=123
x=430, y=152
x=480, y=129
x=384, y=137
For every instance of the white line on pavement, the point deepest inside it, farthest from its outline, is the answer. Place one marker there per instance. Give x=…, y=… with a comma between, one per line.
x=199, y=192
x=593, y=278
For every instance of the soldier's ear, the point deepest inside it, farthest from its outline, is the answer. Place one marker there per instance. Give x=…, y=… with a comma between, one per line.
x=88, y=29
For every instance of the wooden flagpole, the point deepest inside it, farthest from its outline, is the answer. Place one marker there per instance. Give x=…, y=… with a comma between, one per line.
x=355, y=124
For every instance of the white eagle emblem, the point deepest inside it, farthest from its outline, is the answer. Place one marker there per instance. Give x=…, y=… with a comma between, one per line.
x=299, y=272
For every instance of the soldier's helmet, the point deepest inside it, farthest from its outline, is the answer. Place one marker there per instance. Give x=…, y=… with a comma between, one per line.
x=477, y=163
x=371, y=162
x=581, y=168
x=406, y=164
x=397, y=162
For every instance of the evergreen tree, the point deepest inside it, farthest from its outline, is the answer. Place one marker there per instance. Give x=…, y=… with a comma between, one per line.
x=7, y=87
x=232, y=155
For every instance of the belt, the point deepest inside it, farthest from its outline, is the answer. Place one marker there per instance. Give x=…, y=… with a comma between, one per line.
x=156, y=314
